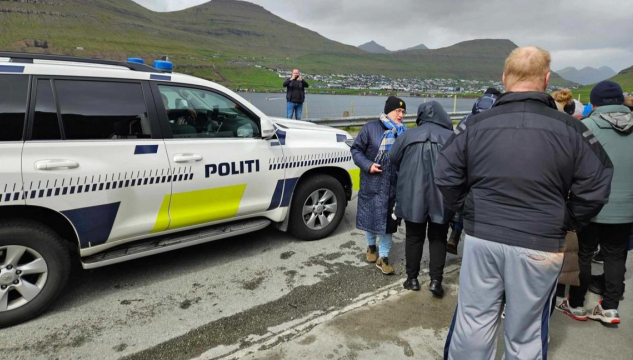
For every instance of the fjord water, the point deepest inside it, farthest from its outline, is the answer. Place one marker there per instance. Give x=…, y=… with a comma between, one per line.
x=321, y=105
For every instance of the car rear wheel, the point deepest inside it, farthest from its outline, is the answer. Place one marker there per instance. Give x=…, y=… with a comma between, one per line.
x=318, y=206
x=34, y=269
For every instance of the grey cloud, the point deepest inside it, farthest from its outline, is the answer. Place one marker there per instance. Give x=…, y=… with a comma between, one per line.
x=587, y=33
x=169, y=5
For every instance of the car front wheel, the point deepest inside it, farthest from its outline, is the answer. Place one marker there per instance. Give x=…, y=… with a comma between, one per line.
x=318, y=206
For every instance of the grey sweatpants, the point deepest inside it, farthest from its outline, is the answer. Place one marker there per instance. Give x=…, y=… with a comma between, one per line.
x=528, y=278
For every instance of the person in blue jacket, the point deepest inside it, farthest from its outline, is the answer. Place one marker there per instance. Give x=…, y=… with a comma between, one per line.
x=378, y=176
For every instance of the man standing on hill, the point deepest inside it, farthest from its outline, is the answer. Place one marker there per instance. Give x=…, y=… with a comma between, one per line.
x=521, y=174
x=295, y=94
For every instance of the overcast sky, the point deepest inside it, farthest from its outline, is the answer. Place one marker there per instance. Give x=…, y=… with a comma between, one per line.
x=577, y=33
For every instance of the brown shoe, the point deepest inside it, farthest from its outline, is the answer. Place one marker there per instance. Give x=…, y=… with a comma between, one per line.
x=372, y=256
x=451, y=248
x=383, y=265
x=453, y=241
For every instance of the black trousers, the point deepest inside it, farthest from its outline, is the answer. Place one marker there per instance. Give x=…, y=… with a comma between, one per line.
x=416, y=233
x=613, y=240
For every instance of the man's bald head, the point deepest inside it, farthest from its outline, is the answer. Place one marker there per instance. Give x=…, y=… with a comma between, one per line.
x=527, y=69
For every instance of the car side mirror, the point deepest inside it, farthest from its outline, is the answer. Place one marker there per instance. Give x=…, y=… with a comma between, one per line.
x=268, y=130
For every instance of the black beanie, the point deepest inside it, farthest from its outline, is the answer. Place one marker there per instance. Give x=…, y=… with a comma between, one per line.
x=606, y=93
x=394, y=103
x=570, y=108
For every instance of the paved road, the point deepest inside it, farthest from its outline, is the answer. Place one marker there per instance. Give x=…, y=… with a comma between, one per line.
x=399, y=324
x=222, y=294
x=269, y=296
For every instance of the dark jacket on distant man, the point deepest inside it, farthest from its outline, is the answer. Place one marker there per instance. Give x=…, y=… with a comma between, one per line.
x=416, y=152
x=523, y=173
x=295, y=90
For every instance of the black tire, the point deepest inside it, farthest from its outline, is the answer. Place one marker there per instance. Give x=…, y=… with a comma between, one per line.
x=305, y=188
x=53, y=250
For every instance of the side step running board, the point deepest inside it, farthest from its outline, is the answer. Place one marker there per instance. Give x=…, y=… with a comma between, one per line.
x=157, y=245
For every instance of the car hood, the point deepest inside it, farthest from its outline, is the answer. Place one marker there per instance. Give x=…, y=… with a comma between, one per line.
x=304, y=125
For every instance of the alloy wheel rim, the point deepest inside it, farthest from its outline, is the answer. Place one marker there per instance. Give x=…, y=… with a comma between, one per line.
x=319, y=209
x=23, y=274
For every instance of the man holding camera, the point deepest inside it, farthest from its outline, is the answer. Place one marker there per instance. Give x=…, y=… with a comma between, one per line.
x=295, y=94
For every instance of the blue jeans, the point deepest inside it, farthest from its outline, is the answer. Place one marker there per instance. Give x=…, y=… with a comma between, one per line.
x=294, y=108
x=384, y=243
x=458, y=223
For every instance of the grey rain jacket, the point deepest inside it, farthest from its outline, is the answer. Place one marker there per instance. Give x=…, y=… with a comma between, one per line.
x=523, y=173
x=612, y=126
x=416, y=152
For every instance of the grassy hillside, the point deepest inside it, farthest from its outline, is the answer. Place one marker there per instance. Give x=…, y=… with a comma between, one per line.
x=624, y=78
x=124, y=26
x=223, y=40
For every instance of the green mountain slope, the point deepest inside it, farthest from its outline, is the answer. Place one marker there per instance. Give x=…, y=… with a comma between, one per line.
x=474, y=59
x=122, y=25
x=223, y=40
x=373, y=47
x=625, y=79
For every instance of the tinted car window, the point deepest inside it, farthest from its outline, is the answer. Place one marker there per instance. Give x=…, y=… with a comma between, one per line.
x=13, y=95
x=45, y=121
x=102, y=110
x=195, y=113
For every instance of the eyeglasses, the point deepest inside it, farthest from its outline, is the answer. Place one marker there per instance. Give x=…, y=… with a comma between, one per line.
x=400, y=111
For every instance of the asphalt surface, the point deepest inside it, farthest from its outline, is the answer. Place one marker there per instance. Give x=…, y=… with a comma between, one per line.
x=400, y=324
x=223, y=294
x=267, y=295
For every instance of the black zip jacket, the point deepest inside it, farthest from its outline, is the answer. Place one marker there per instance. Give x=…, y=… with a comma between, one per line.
x=295, y=90
x=523, y=173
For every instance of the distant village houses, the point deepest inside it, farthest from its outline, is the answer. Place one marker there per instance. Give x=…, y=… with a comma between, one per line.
x=437, y=86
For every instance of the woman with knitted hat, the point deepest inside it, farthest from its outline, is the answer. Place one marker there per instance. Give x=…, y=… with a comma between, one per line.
x=378, y=177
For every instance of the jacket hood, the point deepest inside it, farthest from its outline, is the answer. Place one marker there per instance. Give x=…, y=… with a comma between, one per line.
x=533, y=96
x=433, y=112
x=619, y=121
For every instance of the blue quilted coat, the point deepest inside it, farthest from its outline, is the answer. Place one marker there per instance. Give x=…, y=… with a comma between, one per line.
x=377, y=195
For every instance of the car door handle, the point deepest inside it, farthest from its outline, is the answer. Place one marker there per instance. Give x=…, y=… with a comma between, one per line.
x=56, y=164
x=182, y=158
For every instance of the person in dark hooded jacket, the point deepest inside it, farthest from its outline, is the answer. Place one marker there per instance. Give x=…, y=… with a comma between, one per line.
x=418, y=200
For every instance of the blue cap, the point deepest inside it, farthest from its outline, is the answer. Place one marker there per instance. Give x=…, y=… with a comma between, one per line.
x=136, y=60
x=164, y=66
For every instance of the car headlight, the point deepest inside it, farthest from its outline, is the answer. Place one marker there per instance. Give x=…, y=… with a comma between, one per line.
x=349, y=142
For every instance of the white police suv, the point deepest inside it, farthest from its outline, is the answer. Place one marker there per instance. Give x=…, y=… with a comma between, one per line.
x=112, y=161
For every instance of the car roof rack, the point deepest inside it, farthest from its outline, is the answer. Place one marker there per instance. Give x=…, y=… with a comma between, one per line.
x=20, y=57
